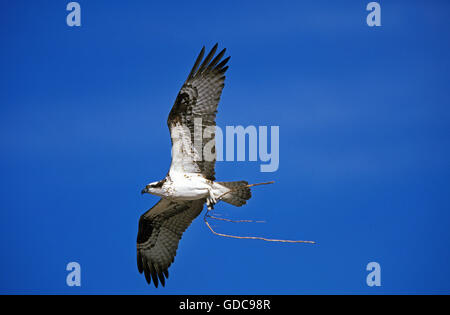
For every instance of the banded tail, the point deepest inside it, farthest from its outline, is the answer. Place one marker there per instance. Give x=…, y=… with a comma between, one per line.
x=237, y=193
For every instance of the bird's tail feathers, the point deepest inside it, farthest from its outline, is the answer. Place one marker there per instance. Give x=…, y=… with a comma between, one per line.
x=238, y=192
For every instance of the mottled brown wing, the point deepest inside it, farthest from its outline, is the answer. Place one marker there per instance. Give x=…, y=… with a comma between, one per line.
x=192, y=119
x=160, y=230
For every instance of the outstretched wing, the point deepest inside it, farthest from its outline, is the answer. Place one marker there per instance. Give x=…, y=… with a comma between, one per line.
x=192, y=120
x=160, y=230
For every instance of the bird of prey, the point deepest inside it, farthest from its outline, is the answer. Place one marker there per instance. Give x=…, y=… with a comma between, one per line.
x=190, y=182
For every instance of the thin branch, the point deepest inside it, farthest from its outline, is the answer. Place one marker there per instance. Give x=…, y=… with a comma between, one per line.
x=253, y=237
x=234, y=221
x=207, y=215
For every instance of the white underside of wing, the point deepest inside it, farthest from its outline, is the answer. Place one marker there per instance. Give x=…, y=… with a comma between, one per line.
x=184, y=153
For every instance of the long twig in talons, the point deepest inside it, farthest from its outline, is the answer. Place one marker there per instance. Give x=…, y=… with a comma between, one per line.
x=234, y=221
x=207, y=215
x=254, y=237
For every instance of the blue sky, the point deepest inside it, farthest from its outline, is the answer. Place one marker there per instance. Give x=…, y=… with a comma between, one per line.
x=364, y=144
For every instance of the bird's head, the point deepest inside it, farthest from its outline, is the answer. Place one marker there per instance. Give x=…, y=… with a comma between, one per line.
x=154, y=188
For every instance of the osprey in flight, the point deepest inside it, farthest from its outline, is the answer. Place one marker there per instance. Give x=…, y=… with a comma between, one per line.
x=190, y=182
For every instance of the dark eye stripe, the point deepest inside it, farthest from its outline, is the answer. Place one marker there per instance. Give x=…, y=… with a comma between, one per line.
x=159, y=184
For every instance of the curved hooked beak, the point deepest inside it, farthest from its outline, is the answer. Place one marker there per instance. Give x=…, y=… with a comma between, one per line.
x=144, y=191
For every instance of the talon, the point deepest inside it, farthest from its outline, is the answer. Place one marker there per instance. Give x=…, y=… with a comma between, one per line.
x=212, y=199
x=209, y=204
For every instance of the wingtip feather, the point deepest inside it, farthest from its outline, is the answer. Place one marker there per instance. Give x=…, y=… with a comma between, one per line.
x=197, y=63
x=207, y=59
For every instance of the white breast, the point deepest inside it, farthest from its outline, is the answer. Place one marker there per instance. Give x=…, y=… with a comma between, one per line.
x=188, y=186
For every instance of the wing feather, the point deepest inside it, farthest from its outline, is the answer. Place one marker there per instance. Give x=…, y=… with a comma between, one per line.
x=216, y=59
x=195, y=111
x=208, y=58
x=160, y=230
x=197, y=63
